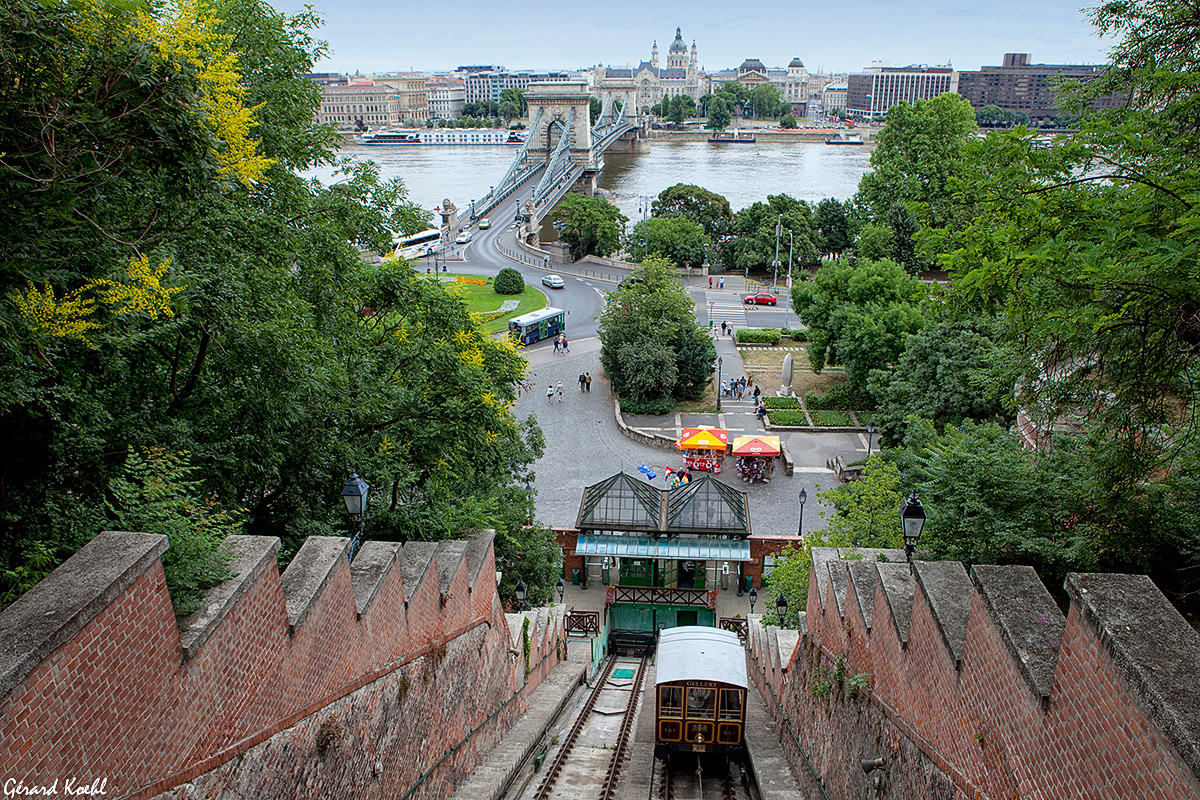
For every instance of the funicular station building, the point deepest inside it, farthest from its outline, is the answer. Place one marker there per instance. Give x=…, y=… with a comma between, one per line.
x=659, y=555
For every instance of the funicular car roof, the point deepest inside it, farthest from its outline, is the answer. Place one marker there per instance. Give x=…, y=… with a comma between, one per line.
x=700, y=653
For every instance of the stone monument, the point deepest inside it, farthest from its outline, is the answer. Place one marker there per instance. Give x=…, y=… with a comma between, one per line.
x=786, y=389
x=449, y=214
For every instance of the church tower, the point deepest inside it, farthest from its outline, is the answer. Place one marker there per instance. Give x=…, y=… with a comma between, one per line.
x=654, y=55
x=677, y=55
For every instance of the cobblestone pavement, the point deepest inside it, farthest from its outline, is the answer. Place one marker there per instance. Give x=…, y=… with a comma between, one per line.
x=583, y=446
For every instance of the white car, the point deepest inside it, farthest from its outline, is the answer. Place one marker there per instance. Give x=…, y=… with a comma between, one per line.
x=463, y=237
x=554, y=281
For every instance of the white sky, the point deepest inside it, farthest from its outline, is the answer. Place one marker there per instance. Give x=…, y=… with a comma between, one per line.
x=829, y=36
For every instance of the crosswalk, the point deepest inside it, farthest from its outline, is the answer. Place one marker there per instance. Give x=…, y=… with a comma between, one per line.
x=726, y=307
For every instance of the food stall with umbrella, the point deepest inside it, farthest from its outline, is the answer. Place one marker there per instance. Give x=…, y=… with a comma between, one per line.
x=704, y=448
x=756, y=457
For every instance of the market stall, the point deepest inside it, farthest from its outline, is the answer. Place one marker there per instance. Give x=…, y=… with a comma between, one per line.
x=704, y=448
x=756, y=457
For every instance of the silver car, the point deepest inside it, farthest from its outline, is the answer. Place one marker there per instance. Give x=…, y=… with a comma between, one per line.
x=554, y=281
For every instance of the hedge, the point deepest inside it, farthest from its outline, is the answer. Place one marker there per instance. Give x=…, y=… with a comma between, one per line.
x=795, y=334
x=786, y=417
x=758, y=335
x=841, y=397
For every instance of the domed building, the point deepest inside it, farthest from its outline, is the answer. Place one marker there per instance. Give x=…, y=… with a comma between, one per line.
x=652, y=83
x=792, y=82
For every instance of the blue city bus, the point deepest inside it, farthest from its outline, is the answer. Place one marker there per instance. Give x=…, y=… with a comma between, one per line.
x=538, y=325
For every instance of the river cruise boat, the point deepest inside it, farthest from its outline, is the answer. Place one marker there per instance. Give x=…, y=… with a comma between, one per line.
x=842, y=138
x=735, y=137
x=441, y=136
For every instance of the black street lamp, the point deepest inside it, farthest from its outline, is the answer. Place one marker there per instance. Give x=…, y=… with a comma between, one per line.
x=912, y=520
x=753, y=598
x=803, y=500
x=520, y=593
x=870, y=435
x=781, y=608
x=718, y=384
x=354, y=495
x=561, y=586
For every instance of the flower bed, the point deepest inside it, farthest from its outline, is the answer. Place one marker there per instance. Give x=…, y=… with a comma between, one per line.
x=831, y=419
x=788, y=417
x=781, y=402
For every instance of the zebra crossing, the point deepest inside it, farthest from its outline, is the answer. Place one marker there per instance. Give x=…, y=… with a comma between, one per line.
x=726, y=307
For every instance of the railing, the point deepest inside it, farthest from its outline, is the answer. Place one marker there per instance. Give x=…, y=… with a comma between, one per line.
x=739, y=625
x=582, y=622
x=654, y=595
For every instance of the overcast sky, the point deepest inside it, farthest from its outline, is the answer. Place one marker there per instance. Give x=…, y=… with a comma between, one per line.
x=829, y=36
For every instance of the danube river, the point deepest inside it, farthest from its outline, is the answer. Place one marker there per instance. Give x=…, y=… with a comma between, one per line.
x=744, y=173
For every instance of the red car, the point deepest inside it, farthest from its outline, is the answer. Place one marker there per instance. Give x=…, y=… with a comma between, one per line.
x=761, y=297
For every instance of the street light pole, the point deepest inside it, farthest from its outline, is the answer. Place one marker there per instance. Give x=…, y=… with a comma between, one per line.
x=870, y=435
x=787, y=306
x=803, y=500
x=718, y=384
x=775, y=263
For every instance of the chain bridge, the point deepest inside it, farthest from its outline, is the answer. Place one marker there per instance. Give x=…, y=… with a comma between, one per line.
x=564, y=151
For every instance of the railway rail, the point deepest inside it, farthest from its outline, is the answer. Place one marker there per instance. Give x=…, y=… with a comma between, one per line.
x=684, y=777
x=591, y=729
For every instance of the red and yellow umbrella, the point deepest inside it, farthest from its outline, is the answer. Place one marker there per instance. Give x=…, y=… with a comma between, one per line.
x=756, y=446
x=703, y=439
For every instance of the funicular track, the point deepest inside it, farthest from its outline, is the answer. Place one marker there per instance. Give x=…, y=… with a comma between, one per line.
x=587, y=717
x=685, y=777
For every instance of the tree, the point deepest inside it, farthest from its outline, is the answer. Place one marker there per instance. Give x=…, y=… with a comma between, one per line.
x=652, y=348
x=876, y=242
x=673, y=237
x=904, y=227
x=917, y=153
x=832, y=227
x=508, y=281
x=595, y=109
x=509, y=110
x=764, y=100
x=750, y=242
x=593, y=225
x=711, y=211
x=674, y=114
x=950, y=372
x=989, y=116
x=718, y=114
x=516, y=96
x=858, y=315
x=788, y=121
x=735, y=95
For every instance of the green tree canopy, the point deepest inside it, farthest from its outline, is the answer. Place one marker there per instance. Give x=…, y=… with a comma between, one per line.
x=764, y=100
x=832, y=227
x=718, y=114
x=750, y=243
x=673, y=237
x=593, y=225
x=711, y=211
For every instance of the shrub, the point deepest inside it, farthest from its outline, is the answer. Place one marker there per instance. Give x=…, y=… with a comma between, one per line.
x=781, y=402
x=652, y=407
x=758, y=335
x=787, y=417
x=831, y=419
x=841, y=397
x=509, y=281
x=795, y=334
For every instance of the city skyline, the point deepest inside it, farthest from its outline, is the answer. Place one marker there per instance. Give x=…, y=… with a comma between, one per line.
x=369, y=36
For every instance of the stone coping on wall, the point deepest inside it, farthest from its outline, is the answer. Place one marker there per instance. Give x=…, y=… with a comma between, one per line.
x=251, y=556
x=60, y=605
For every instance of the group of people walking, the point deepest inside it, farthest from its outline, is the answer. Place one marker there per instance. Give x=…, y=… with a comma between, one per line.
x=737, y=388
x=561, y=345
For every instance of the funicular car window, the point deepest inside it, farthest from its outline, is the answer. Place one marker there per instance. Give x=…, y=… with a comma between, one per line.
x=670, y=700
x=731, y=704
x=701, y=702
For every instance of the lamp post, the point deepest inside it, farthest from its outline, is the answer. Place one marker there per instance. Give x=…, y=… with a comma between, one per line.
x=354, y=495
x=561, y=586
x=803, y=500
x=787, y=306
x=753, y=598
x=870, y=435
x=520, y=593
x=775, y=263
x=912, y=520
x=781, y=608
x=718, y=384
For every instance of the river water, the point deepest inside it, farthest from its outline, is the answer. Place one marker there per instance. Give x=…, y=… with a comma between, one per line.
x=743, y=173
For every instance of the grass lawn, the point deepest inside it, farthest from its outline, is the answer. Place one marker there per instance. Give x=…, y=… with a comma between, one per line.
x=864, y=416
x=831, y=419
x=803, y=378
x=483, y=299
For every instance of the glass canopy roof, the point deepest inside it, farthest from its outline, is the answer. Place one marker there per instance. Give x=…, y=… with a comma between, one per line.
x=625, y=503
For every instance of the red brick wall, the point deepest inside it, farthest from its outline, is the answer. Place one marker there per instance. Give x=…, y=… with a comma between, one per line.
x=120, y=700
x=975, y=729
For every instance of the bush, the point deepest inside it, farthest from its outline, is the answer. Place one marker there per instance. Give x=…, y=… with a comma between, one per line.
x=782, y=402
x=787, y=417
x=758, y=335
x=651, y=407
x=795, y=334
x=831, y=419
x=842, y=397
x=509, y=281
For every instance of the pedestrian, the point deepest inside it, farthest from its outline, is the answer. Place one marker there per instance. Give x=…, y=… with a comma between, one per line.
x=730, y=331
x=566, y=347
x=587, y=381
x=757, y=392
x=582, y=380
x=557, y=343
x=722, y=283
x=724, y=325
x=710, y=281
x=550, y=393
x=560, y=391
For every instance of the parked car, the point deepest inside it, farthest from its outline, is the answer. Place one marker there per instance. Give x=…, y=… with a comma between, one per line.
x=463, y=237
x=484, y=224
x=554, y=281
x=761, y=297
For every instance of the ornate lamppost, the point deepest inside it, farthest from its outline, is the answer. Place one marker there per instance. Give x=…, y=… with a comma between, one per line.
x=520, y=593
x=803, y=500
x=912, y=520
x=354, y=495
